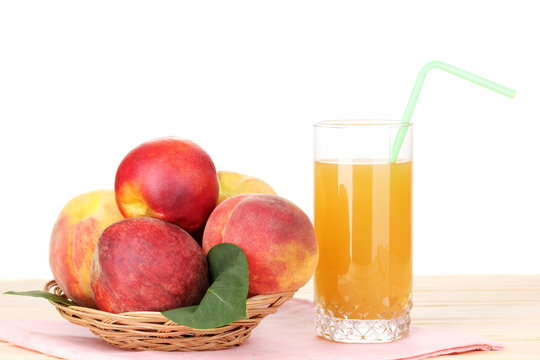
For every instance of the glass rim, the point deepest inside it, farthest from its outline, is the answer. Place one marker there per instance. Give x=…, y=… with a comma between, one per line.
x=347, y=123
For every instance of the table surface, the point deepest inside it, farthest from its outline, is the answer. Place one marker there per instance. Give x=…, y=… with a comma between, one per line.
x=505, y=308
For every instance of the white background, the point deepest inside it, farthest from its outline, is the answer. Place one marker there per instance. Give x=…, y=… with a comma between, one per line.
x=81, y=84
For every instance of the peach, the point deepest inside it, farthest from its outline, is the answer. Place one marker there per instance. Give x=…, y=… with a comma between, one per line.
x=276, y=236
x=170, y=179
x=74, y=238
x=147, y=264
x=232, y=184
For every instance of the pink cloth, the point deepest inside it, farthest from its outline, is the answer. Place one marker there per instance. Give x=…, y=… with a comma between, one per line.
x=288, y=334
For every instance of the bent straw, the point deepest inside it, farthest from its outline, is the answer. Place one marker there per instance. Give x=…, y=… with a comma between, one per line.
x=503, y=90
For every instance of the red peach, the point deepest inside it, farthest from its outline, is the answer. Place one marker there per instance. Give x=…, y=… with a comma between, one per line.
x=276, y=236
x=147, y=264
x=170, y=179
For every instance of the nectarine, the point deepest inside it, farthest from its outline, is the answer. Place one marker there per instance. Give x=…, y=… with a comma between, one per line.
x=170, y=179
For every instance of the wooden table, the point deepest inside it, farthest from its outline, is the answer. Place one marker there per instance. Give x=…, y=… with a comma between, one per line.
x=505, y=308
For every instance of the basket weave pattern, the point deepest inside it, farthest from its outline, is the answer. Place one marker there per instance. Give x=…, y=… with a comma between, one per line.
x=149, y=330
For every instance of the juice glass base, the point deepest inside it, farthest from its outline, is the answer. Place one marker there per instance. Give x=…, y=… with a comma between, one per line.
x=332, y=326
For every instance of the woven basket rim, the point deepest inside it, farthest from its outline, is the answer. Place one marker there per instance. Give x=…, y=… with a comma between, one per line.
x=250, y=302
x=151, y=330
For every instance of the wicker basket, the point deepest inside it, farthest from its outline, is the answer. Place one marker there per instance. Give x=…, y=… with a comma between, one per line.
x=149, y=330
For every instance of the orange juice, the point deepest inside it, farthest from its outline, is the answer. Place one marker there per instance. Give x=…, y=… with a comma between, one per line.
x=363, y=226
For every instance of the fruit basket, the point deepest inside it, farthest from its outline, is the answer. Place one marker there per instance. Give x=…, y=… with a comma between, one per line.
x=149, y=330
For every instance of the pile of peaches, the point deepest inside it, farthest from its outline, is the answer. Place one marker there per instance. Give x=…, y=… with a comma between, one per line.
x=143, y=245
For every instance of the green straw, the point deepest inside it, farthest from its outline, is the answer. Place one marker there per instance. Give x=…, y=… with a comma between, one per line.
x=503, y=90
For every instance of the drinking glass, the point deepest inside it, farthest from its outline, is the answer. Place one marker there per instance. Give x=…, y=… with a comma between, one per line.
x=363, y=281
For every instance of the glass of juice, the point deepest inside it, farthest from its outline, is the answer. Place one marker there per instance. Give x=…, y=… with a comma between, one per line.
x=363, y=281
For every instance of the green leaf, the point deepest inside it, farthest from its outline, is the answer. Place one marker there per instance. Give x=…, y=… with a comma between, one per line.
x=42, y=294
x=225, y=300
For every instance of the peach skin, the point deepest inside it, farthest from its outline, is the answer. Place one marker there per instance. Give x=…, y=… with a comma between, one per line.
x=276, y=236
x=232, y=184
x=74, y=238
x=147, y=264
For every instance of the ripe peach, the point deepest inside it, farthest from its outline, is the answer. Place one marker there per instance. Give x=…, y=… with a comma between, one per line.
x=74, y=238
x=232, y=184
x=276, y=236
x=170, y=179
x=147, y=264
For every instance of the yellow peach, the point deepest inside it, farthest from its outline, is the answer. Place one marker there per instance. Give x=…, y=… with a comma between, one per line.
x=232, y=184
x=74, y=238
